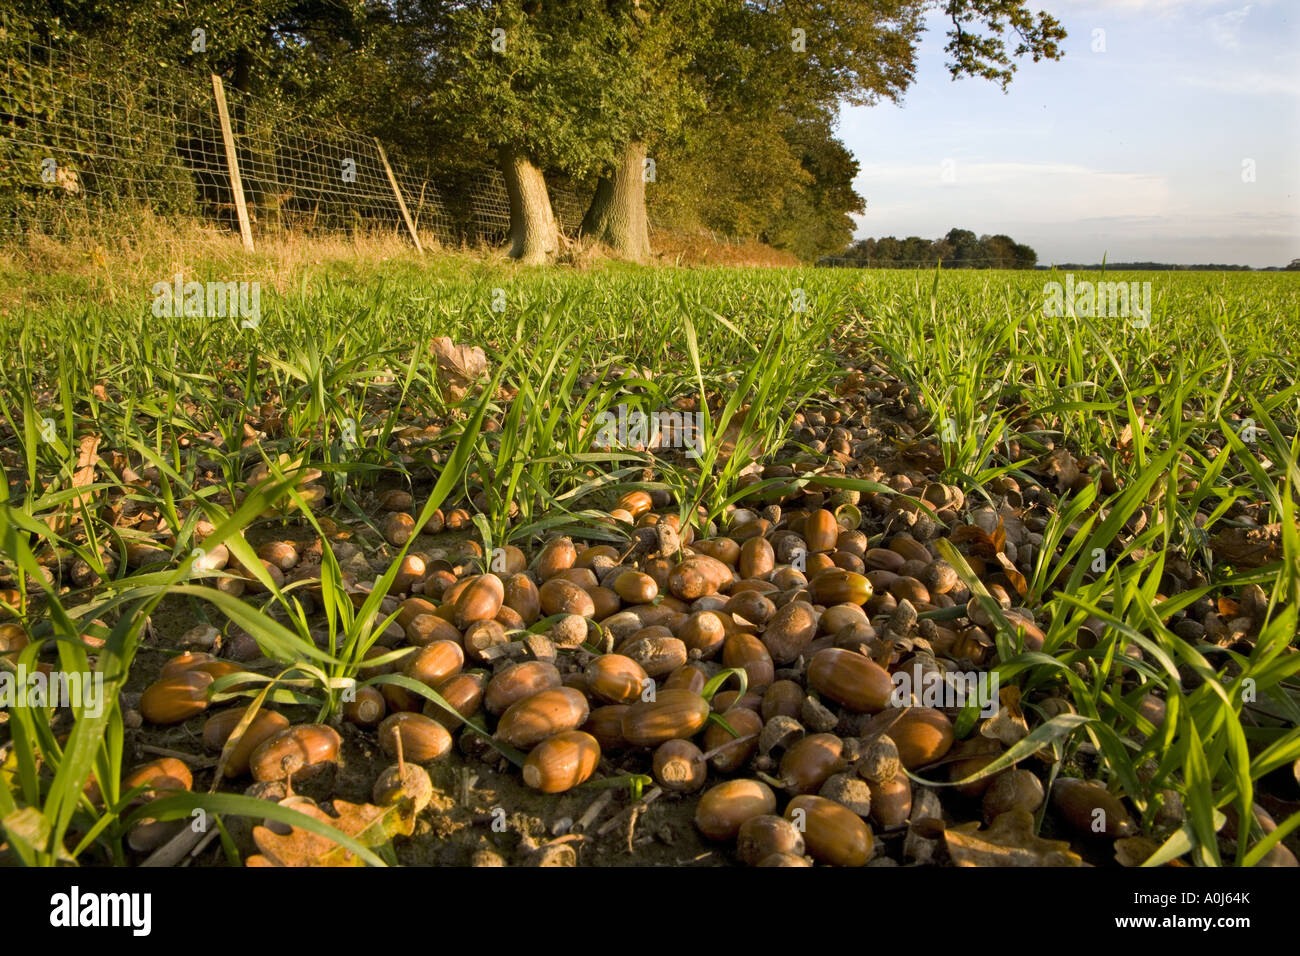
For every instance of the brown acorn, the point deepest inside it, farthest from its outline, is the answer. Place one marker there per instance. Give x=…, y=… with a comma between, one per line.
x=697, y=576
x=672, y=714
x=606, y=725
x=756, y=558
x=616, y=679
x=528, y=722
x=517, y=682
x=687, y=677
x=521, y=595
x=423, y=738
x=561, y=596
x=292, y=751
x=748, y=652
x=561, y=762
x=679, y=766
x=1090, y=808
x=732, y=753
x=723, y=809
x=163, y=774
x=367, y=708
x=891, y=801
x=783, y=697
x=398, y=528
x=1013, y=790
x=806, y=764
x=171, y=700
x=658, y=655
x=789, y=631
x=834, y=834
x=218, y=728
x=464, y=692
x=703, y=633
x=762, y=836
x=480, y=600
x=837, y=586
x=556, y=556
x=851, y=679
x=820, y=531
x=923, y=735
x=434, y=663
x=634, y=587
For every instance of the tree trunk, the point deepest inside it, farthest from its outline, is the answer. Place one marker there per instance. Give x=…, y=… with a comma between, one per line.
x=534, y=235
x=617, y=215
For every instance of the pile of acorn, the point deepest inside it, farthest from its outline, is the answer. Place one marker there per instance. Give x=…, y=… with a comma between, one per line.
x=797, y=595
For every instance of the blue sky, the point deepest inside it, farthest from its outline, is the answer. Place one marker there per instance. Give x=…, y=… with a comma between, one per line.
x=1141, y=150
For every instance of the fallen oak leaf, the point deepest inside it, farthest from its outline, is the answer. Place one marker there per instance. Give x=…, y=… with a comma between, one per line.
x=369, y=825
x=1008, y=841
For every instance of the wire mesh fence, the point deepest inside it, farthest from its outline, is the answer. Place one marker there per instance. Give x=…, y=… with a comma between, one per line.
x=87, y=150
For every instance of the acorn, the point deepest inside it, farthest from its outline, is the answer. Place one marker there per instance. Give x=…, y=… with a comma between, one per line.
x=731, y=753
x=411, y=569
x=748, y=652
x=1013, y=790
x=528, y=722
x=398, y=528
x=679, y=766
x=423, y=739
x=672, y=714
x=820, y=531
x=517, y=682
x=555, y=557
x=807, y=763
x=434, y=663
x=606, y=725
x=464, y=692
x=756, y=558
x=562, y=761
x=749, y=607
x=480, y=600
x=367, y=708
x=837, y=586
x=687, y=677
x=404, y=781
x=658, y=655
x=697, y=576
x=783, y=859
x=891, y=801
x=561, y=596
x=723, y=809
x=521, y=595
x=703, y=633
x=851, y=679
x=218, y=728
x=161, y=775
x=635, y=587
x=760, y=837
x=789, y=631
x=921, y=734
x=616, y=679
x=834, y=834
x=1090, y=808
x=173, y=699
x=784, y=697
x=306, y=747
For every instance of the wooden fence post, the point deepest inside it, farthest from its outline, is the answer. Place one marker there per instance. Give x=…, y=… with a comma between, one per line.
x=401, y=203
x=232, y=163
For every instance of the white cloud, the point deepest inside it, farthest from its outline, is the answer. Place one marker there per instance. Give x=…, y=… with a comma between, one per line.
x=1225, y=28
x=1246, y=82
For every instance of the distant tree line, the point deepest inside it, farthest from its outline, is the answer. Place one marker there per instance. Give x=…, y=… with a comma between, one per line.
x=959, y=249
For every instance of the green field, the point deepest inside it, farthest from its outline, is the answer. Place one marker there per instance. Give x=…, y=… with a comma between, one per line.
x=1117, y=498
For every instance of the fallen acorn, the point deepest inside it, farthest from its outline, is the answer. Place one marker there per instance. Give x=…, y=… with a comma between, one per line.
x=672, y=714
x=305, y=747
x=731, y=753
x=561, y=762
x=218, y=728
x=479, y=600
x=891, y=801
x=367, y=707
x=464, y=692
x=763, y=836
x=517, y=682
x=851, y=679
x=616, y=679
x=528, y=722
x=405, y=781
x=922, y=735
x=1089, y=807
x=807, y=763
x=834, y=834
x=1013, y=790
x=679, y=766
x=724, y=808
x=173, y=699
x=423, y=739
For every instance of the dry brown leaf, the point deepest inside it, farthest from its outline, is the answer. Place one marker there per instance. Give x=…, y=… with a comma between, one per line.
x=460, y=367
x=1061, y=466
x=1248, y=547
x=1008, y=725
x=366, y=823
x=1008, y=841
x=1013, y=574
